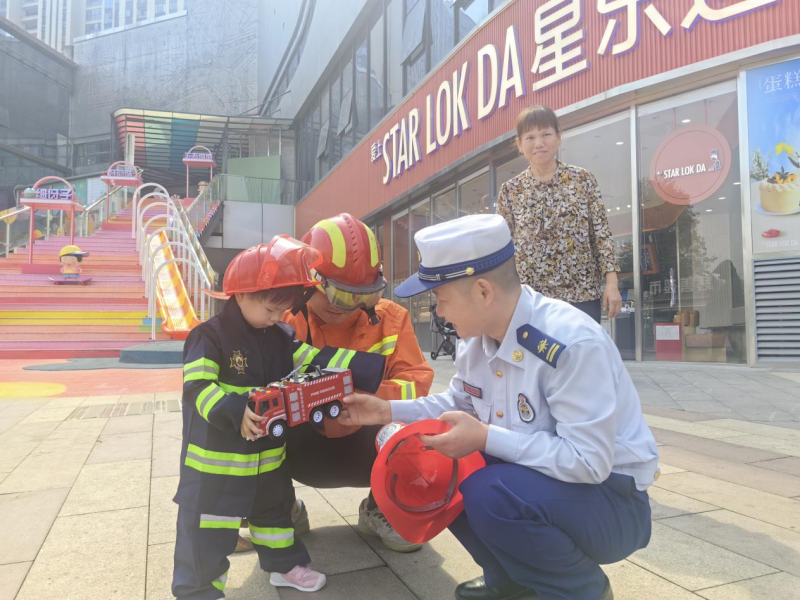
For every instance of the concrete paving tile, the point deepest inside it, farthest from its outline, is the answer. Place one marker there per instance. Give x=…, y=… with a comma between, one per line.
x=665, y=504
x=790, y=464
x=22, y=408
x=46, y=471
x=780, y=586
x=160, y=563
x=669, y=469
x=681, y=415
x=793, y=377
x=133, y=398
x=765, y=543
x=777, y=510
x=27, y=432
x=25, y=520
x=697, y=429
x=163, y=511
x=758, y=429
x=692, y=563
x=777, y=445
x=121, y=447
x=166, y=456
x=333, y=545
x=728, y=451
x=77, y=435
x=12, y=577
x=780, y=484
x=73, y=401
x=170, y=424
x=132, y=424
x=102, y=555
x=344, y=500
x=631, y=582
x=246, y=580
x=7, y=423
x=49, y=413
x=112, y=486
x=11, y=455
x=432, y=572
x=368, y=584
x=100, y=400
x=168, y=395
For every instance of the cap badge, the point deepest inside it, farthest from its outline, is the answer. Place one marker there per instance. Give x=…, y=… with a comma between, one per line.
x=469, y=271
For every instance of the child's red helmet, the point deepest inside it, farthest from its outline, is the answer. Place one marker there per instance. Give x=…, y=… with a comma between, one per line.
x=415, y=486
x=284, y=262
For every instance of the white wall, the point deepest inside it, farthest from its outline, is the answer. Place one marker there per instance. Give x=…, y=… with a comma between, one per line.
x=246, y=224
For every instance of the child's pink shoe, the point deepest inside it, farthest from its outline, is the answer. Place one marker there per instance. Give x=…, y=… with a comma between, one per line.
x=302, y=578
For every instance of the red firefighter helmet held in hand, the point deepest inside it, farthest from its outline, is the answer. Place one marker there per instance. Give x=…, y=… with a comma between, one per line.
x=284, y=262
x=415, y=486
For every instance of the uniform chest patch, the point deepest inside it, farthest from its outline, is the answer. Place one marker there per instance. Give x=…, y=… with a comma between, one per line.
x=525, y=409
x=545, y=347
x=473, y=391
x=238, y=362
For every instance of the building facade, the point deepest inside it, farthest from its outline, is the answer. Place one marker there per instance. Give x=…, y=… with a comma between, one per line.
x=35, y=90
x=687, y=112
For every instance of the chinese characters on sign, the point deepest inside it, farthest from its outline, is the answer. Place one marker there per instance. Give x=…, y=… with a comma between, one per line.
x=198, y=156
x=122, y=173
x=560, y=39
x=53, y=194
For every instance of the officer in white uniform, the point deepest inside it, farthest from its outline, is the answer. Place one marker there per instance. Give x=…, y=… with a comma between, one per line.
x=569, y=455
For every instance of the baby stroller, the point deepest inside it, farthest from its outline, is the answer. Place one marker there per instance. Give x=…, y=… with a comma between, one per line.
x=446, y=330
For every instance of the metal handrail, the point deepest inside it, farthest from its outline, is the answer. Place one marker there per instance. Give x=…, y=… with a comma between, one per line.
x=187, y=251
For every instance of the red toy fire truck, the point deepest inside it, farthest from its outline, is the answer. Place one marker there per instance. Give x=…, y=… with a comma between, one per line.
x=299, y=398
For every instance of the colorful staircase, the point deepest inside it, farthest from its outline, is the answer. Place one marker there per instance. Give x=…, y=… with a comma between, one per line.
x=39, y=319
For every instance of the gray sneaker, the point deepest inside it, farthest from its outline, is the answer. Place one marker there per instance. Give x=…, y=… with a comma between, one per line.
x=372, y=522
x=300, y=518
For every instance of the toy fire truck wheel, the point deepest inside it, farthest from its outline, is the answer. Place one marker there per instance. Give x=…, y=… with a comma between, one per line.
x=277, y=429
x=317, y=416
x=334, y=409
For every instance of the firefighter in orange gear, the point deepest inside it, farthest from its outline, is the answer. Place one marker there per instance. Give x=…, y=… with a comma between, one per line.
x=348, y=311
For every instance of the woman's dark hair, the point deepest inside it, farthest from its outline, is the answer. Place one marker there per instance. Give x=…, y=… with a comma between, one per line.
x=286, y=296
x=537, y=117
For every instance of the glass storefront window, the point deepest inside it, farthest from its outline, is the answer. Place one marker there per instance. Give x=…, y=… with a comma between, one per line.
x=400, y=255
x=394, y=47
x=474, y=195
x=346, y=115
x=692, y=251
x=376, y=73
x=336, y=107
x=604, y=149
x=362, y=117
x=415, y=72
x=443, y=30
x=470, y=14
x=510, y=169
x=419, y=306
x=444, y=206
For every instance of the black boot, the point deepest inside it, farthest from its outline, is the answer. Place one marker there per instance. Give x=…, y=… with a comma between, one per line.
x=478, y=590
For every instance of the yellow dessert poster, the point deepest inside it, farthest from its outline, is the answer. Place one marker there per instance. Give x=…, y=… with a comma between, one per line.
x=773, y=115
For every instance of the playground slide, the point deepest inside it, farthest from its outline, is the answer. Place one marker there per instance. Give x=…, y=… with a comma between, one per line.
x=177, y=313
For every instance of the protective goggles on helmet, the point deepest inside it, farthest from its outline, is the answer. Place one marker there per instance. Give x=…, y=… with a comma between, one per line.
x=348, y=297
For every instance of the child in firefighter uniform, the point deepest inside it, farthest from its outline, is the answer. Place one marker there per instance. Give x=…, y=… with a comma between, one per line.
x=541, y=390
x=228, y=469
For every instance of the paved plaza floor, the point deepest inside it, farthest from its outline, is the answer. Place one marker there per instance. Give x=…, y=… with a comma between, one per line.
x=86, y=512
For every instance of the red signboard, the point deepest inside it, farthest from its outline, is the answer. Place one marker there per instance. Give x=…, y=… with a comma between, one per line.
x=554, y=52
x=690, y=165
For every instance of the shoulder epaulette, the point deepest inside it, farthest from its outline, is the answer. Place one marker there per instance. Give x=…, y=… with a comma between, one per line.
x=542, y=345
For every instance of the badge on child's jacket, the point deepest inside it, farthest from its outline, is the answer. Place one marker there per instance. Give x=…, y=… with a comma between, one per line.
x=525, y=410
x=238, y=362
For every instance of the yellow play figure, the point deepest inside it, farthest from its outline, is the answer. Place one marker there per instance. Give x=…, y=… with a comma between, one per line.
x=71, y=258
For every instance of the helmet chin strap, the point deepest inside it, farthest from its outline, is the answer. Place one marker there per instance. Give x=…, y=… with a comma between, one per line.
x=373, y=316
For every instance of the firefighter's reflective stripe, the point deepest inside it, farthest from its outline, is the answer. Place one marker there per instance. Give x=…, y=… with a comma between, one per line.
x=235, y=389
x=272, y=537
x=221, y=581
x=338, y=245
x=304, y=355
x=230, y=463
x=386, y=346
x=219, y=522
x=202, y=368
x=408, y=391
x=342, y=359
x=208, y=398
